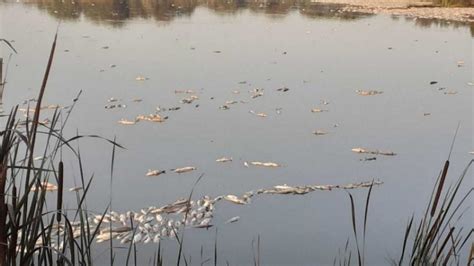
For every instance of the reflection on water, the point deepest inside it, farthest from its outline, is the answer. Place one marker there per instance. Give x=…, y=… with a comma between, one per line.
x=117, y=12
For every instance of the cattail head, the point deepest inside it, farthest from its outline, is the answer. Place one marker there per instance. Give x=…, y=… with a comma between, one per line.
x=60, y=190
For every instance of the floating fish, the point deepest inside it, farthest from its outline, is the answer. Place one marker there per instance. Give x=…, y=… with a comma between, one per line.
x=45, y=186
x=368, y=93
x=141, y=78
x=127, y=122
x=232, y=220
x=369, y=159
x=362, y=150
x=224, y=107
x=74, y=189
x=184, y=169
x=235, y=199
x=450, y=92
x=267, y=164
x=224, y=159
x=155, y=172
x=230, y=102
x=319, y=132
x=471, y=152
x=318, y=110
x=151, y=118
x=284, y=89
x=258, y=114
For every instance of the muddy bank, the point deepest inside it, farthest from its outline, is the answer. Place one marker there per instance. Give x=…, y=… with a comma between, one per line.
x=414, y=9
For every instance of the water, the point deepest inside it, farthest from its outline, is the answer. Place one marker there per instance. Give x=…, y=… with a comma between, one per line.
x=319, y=55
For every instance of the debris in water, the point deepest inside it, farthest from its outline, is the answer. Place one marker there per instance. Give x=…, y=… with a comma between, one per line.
x=155, y=172
x=284, y=89
x=278, y=110
x=368, y=93
x=224, y=159
x=184, y=169
x=362, y=150
x=230, y=102
x=224, y=107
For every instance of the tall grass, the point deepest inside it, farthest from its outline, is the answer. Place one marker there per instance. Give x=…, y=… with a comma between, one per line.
x=30, y=233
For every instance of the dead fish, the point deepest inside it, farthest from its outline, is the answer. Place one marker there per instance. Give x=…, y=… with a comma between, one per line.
x=236, y=92
x=184, y=169
x=174, y=108
x=217, y=52
x=232, y=220
x=151, y=118
x=112, y=100
x=426, y=114
x=224, y=107
x=74, y=189
x=112, y=106
x=246, y=164
x=266, y=164
x=155, y=172
x=460, y=63
x=368, y=93
x=243, y=82
x=471, y=152
x=234, y=199
x=224, y=159
x=38, y=158
x=141, y=78
x=318, y=110
x=319, y=132
x=258, y=94
x=369, y=159
x=45, y=186
x=190, y=99
x=284, y=89
x=433, y=82
x=184, y=91
x=450, y=92
x=127, y=122
x=278, y=110
x=362, y=150
x=230, y=102
x=137, y=100
x=258, y=114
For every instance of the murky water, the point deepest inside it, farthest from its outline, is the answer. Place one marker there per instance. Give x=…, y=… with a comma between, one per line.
x=318, y=54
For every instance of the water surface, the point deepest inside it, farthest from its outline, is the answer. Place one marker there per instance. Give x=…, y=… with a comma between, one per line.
x=315, y=51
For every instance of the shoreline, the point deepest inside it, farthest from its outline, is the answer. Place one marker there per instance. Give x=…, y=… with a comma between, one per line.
x=411, y=9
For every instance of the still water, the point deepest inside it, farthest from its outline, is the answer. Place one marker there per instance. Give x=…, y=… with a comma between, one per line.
x=321, y=55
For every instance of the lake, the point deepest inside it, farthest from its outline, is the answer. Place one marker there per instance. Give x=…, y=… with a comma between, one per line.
x=222, y=51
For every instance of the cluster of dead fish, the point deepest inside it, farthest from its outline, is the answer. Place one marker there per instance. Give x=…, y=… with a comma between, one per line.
x=152, y=224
